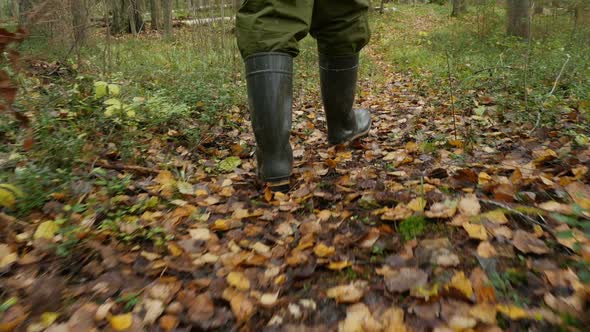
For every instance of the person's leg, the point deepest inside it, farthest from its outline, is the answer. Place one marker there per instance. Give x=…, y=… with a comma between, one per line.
x=341, y=28
x=267, y=34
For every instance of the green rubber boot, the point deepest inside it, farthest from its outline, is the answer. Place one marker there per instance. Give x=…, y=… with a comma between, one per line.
x=338, y=76
x=270, y=95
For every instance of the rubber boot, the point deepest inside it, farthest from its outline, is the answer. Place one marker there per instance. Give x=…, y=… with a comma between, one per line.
x=270, y=95
x=338, y=78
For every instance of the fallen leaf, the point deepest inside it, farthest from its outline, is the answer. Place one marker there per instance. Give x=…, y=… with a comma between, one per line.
x=359, y=319
x=482, y=287
x=496, y=216
x=469, y=205
x=485, y=313
x=350, y=293
x=442, y=210
x=404, y=279
x=322, y=250
x=46, y=230
x=513, y=312
x=341, y=265
x=201, y=309
x=400, y=212
x=238, y=280
x=7, y=256
x=417, y=204
x=528, y=243
x=269, y=299
x=230, y=164
x=121, y=322
x=242, y=307
x=476, y=231
x=462, y=284
x=486, y=250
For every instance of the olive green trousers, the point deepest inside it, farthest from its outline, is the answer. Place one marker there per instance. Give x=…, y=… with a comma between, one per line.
x=341, y=27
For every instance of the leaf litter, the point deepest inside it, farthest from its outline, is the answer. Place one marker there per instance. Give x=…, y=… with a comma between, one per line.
x=505, y=246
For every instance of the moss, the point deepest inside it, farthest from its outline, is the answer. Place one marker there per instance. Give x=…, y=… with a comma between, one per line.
x=412, y=227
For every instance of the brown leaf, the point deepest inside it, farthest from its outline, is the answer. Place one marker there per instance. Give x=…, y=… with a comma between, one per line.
x=350, y=293
x=528, y=243
x=242, y=307
x=201, y=309
x=469, y=205
x=404, y=279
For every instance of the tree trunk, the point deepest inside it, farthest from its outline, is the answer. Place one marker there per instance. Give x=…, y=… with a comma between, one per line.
x=518, y=18
x=24, y=6
x=80, y=21
x=168, y=17
x=459, y=7
x=156, y=14
x=126, y=16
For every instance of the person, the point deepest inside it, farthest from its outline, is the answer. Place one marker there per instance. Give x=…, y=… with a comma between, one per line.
x=268, y=32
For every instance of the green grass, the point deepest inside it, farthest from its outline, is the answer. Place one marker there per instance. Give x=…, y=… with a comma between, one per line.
x=427, y=41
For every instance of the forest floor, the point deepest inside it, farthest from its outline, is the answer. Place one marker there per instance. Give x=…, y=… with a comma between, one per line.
x=484, y=229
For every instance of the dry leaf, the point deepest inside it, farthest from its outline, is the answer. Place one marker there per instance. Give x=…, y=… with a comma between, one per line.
x=238, y=280
x=359, y=319
x=404, y=279
x=121, y=322
x=486, y=250
x=417, y=204
x=350, y=293
x=513, y=312
x=485, y=313
x=442, y=210
x=242, y=307
x=476, y=231
x=469, y=205
x=400, y=212
x=322, y=250
x=528, y=243
x=462, y=284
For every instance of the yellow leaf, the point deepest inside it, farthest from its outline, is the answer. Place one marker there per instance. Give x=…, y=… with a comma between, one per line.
x=513, y=312
x=417, y=204
x=483, y=178
x=121, y=322
x=485, y=313
x=46, y=230
x=238, y=280
x=174, y=249
x=476, y=231
x=462, y=284
x=7, y=256
x=496, y=216
x=47, y=318
x=339, y=265
x=322, y=250
x=7, y=198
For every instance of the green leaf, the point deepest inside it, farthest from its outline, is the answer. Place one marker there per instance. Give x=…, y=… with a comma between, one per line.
x=8, y=303
x=230, y=164
x=100, y=89
x=480, y=110
x=565, y=235
x=8, y=195
x=114, y=90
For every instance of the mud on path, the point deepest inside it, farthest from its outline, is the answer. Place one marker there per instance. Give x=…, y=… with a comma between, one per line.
x=434, y=221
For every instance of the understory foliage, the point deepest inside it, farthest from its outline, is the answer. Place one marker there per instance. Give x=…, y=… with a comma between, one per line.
x=467, y=207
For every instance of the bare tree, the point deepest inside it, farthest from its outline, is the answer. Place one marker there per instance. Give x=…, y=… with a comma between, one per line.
x=168, y=17
x=156, y=10
x=459, y=7
x=80, y=21
x=518, y=18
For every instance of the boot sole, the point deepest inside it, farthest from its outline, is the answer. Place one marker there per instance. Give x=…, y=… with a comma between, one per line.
x=355, y=137
x=279, y=186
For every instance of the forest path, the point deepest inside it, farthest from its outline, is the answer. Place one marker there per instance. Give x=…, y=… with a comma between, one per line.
x=410, y=229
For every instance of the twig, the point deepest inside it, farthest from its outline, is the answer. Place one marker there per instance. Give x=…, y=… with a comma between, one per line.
x=559, y=75
x=451, y=95
x=130, y=168
x=513, y=210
